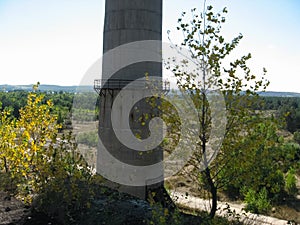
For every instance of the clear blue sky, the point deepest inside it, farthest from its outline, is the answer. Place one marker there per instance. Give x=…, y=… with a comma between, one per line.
x=56, y=41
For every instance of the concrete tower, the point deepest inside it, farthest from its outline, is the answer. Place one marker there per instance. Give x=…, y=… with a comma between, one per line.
x=131, y=20
x=128, y=21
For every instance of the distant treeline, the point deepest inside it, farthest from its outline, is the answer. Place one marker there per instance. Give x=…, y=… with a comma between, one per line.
x=46, y=88
x=63, y=104
x=287, y=108
x=17, y=99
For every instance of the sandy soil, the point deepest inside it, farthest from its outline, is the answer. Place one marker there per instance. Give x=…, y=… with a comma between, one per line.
x=288, y=210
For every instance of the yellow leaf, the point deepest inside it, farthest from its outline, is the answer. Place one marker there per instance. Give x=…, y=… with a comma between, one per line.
x=26, y=134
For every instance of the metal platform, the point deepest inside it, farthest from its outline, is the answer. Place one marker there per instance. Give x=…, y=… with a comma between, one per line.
x=102, y=86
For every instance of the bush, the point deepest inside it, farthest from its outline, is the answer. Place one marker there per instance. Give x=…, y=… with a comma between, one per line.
x=297, y=137
x=27, y=145
x=290, y=182
x=257, y=202
x=41, y=165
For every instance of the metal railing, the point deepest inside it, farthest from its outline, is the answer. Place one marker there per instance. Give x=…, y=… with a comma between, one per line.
x=118, y=84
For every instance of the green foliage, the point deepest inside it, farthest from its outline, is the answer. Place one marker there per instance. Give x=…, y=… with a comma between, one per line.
x=297, y=137
x=260, y=166
x=288, y=155
x=257, y=202
x=287, y=109
x=290, y=182
x=15, y=100
x=63, y=103
x=208, y=50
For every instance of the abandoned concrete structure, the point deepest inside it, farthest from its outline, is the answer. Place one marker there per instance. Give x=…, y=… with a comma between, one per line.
x=128, y=21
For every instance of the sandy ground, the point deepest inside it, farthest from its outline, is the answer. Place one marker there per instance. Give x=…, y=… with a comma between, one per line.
x=184, y=185
x=198, y=204
x=289, y=209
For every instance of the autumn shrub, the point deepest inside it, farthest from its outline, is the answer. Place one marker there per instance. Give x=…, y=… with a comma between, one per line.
x=23, y=155
x=39, y=163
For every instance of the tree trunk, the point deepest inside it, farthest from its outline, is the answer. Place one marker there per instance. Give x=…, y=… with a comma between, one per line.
x=213, y=191
x=204, y=125
x=5, y=165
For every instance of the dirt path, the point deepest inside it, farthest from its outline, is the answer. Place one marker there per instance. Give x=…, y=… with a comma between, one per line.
x=199, y=204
